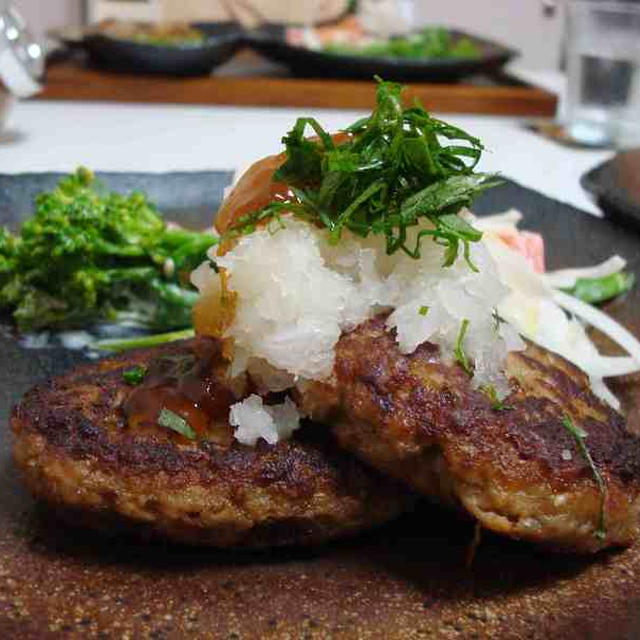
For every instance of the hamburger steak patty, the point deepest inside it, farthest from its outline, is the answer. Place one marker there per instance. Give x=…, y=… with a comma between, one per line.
x=518, y=470
x=77, y=452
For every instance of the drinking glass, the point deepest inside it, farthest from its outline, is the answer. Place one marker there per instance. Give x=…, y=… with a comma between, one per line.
x=603, y=64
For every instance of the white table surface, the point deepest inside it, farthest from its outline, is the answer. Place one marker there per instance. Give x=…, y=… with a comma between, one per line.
x=58, y=136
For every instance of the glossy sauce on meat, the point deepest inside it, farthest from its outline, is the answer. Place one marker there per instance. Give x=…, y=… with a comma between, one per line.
x=256, y=189
x=187, y=384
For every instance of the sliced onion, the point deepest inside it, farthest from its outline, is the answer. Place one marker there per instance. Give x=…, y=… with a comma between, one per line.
x=601, y=321
x=603, y=392
x=566, y=278
x=524, y=282
x=515, y=272
x=611, y=367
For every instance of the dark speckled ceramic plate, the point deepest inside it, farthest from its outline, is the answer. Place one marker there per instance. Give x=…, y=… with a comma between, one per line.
x=615, y=185
x=406, y=580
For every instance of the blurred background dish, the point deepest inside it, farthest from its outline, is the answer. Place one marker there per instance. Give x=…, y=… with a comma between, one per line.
x=165, y=48
x=340, y=49
x=163, y=34
x=303, y=60
x=345, y=50
x=70, y=36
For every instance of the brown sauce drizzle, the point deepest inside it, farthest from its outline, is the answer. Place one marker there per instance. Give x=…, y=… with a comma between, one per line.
x=188, y=383
x=256, y=189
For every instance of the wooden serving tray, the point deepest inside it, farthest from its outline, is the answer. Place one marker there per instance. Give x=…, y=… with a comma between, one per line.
x=72, y=79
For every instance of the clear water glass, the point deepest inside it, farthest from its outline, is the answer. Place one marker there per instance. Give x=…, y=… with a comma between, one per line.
x=603, y=65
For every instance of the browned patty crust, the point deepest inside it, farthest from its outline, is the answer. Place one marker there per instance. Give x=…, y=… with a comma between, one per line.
x=76, y=451
x=518, y=471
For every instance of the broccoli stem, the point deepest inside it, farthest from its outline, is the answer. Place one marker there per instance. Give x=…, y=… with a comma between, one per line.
x=595, y=290
x=118, y=346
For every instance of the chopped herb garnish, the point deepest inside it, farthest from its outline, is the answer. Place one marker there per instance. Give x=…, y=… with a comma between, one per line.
x=387, y=173
x=135, y=375
x=173, y=421
x=460, y=355
x=497, y=320
x=423, y=310
x=496, y=404
x=579, y=436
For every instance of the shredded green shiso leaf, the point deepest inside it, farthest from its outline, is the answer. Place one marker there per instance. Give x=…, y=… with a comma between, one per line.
x=396, y=168
x=460, y=355
x=580, y=436
x=88, y=255
x=496, y=404
x=170, y=420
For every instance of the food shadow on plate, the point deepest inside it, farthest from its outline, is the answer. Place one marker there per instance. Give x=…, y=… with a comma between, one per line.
x=427, y=549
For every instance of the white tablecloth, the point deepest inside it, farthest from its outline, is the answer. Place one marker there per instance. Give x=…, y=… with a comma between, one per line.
x=47, y=136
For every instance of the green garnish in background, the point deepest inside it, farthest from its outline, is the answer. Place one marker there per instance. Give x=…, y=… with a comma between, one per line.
x=429, y=44
x=580, y=436
x=398, y=167
x=192, y=38
x=87, y=256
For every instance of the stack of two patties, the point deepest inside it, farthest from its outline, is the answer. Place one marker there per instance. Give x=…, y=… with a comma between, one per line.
x=390, y=427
